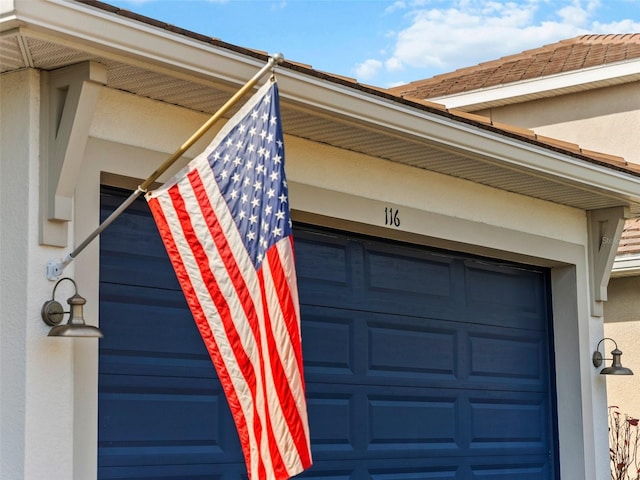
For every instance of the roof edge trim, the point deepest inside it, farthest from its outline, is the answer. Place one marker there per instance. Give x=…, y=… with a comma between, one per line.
x=621, y=72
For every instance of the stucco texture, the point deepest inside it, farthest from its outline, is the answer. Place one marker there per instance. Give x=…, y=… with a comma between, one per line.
x=622, y=323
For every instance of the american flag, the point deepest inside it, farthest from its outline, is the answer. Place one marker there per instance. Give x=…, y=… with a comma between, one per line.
x=225, y=222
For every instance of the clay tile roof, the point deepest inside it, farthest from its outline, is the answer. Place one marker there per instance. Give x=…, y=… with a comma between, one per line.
x=573, y=54
x=630, y=241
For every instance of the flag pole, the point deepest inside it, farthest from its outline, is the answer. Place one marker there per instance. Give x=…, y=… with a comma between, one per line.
x=55, y=267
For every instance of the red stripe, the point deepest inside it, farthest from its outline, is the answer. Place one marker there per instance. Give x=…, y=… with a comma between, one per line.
x=286, y=300
x=294, y=422
x=242, y=291
x=198, y=315
x=203, y=325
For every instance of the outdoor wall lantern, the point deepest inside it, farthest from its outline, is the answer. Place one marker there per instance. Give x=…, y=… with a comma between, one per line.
x=616, y=367
x=52, y=314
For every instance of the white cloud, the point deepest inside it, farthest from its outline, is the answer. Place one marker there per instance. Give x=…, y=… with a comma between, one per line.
x=623, y=26
x=467, y=32
x=368, y=69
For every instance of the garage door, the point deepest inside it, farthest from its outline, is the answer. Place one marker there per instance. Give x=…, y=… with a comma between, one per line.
x=419, y=364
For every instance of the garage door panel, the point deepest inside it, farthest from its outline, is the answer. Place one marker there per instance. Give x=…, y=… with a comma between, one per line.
x=510, y=471
x=140, y=270
x=411, y=423
x=532, y=467
x=394, y=274
x=508, y=421
x=175, y=472
x=505, y=355
x=332, y=420
x=408, y=281
x=325, y=269
x=138, y=311
x=446, y=473
x=133, y=251
x=503, y=295
x=416, y=350
x=328, y=342
x=153, y=421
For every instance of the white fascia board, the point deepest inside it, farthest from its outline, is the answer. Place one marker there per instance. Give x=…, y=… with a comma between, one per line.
x=388, y=115
x=626, y=266
x=538, y=87
x=136, y=43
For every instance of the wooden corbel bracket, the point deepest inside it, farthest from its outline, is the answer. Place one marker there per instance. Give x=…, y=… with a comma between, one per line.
x=68, y=101
x=605, y=229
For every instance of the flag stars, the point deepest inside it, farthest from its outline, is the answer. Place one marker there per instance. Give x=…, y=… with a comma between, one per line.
x=248, y=168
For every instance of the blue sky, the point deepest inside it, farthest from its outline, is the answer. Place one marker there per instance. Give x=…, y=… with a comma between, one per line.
x=386, y=43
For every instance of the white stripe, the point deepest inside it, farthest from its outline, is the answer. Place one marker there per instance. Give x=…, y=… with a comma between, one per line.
x=286, y=356
x=204, y=298
x=249, y=276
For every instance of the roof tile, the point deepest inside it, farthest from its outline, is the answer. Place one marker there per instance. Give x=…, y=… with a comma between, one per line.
x=564, y=56
x=630, y=240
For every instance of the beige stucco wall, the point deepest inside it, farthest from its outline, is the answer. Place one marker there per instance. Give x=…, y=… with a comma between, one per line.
x=622, y=315
x=604, y=120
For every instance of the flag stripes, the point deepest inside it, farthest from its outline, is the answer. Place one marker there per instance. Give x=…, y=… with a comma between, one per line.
x=225, y=224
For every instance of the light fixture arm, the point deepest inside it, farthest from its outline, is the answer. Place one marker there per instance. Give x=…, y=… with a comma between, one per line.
x=56, y=267
x=597, y=357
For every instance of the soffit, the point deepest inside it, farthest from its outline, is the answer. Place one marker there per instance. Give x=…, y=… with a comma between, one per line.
x=23, y=47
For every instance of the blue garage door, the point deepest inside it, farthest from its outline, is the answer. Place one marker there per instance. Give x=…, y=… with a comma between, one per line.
x=419, y=364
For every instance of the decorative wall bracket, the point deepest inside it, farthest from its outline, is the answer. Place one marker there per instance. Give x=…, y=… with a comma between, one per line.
x=68, y=101
x=605, y=229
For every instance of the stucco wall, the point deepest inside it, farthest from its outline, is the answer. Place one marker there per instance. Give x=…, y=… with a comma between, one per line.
x=622, y=317
x=604, y=120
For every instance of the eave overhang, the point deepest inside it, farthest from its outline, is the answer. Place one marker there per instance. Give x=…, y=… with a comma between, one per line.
x=164, y=63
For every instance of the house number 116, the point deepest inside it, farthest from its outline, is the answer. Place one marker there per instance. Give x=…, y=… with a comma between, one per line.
x=391, y=217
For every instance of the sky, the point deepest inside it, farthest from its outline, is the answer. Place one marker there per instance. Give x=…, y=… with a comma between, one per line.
x=388, y=43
